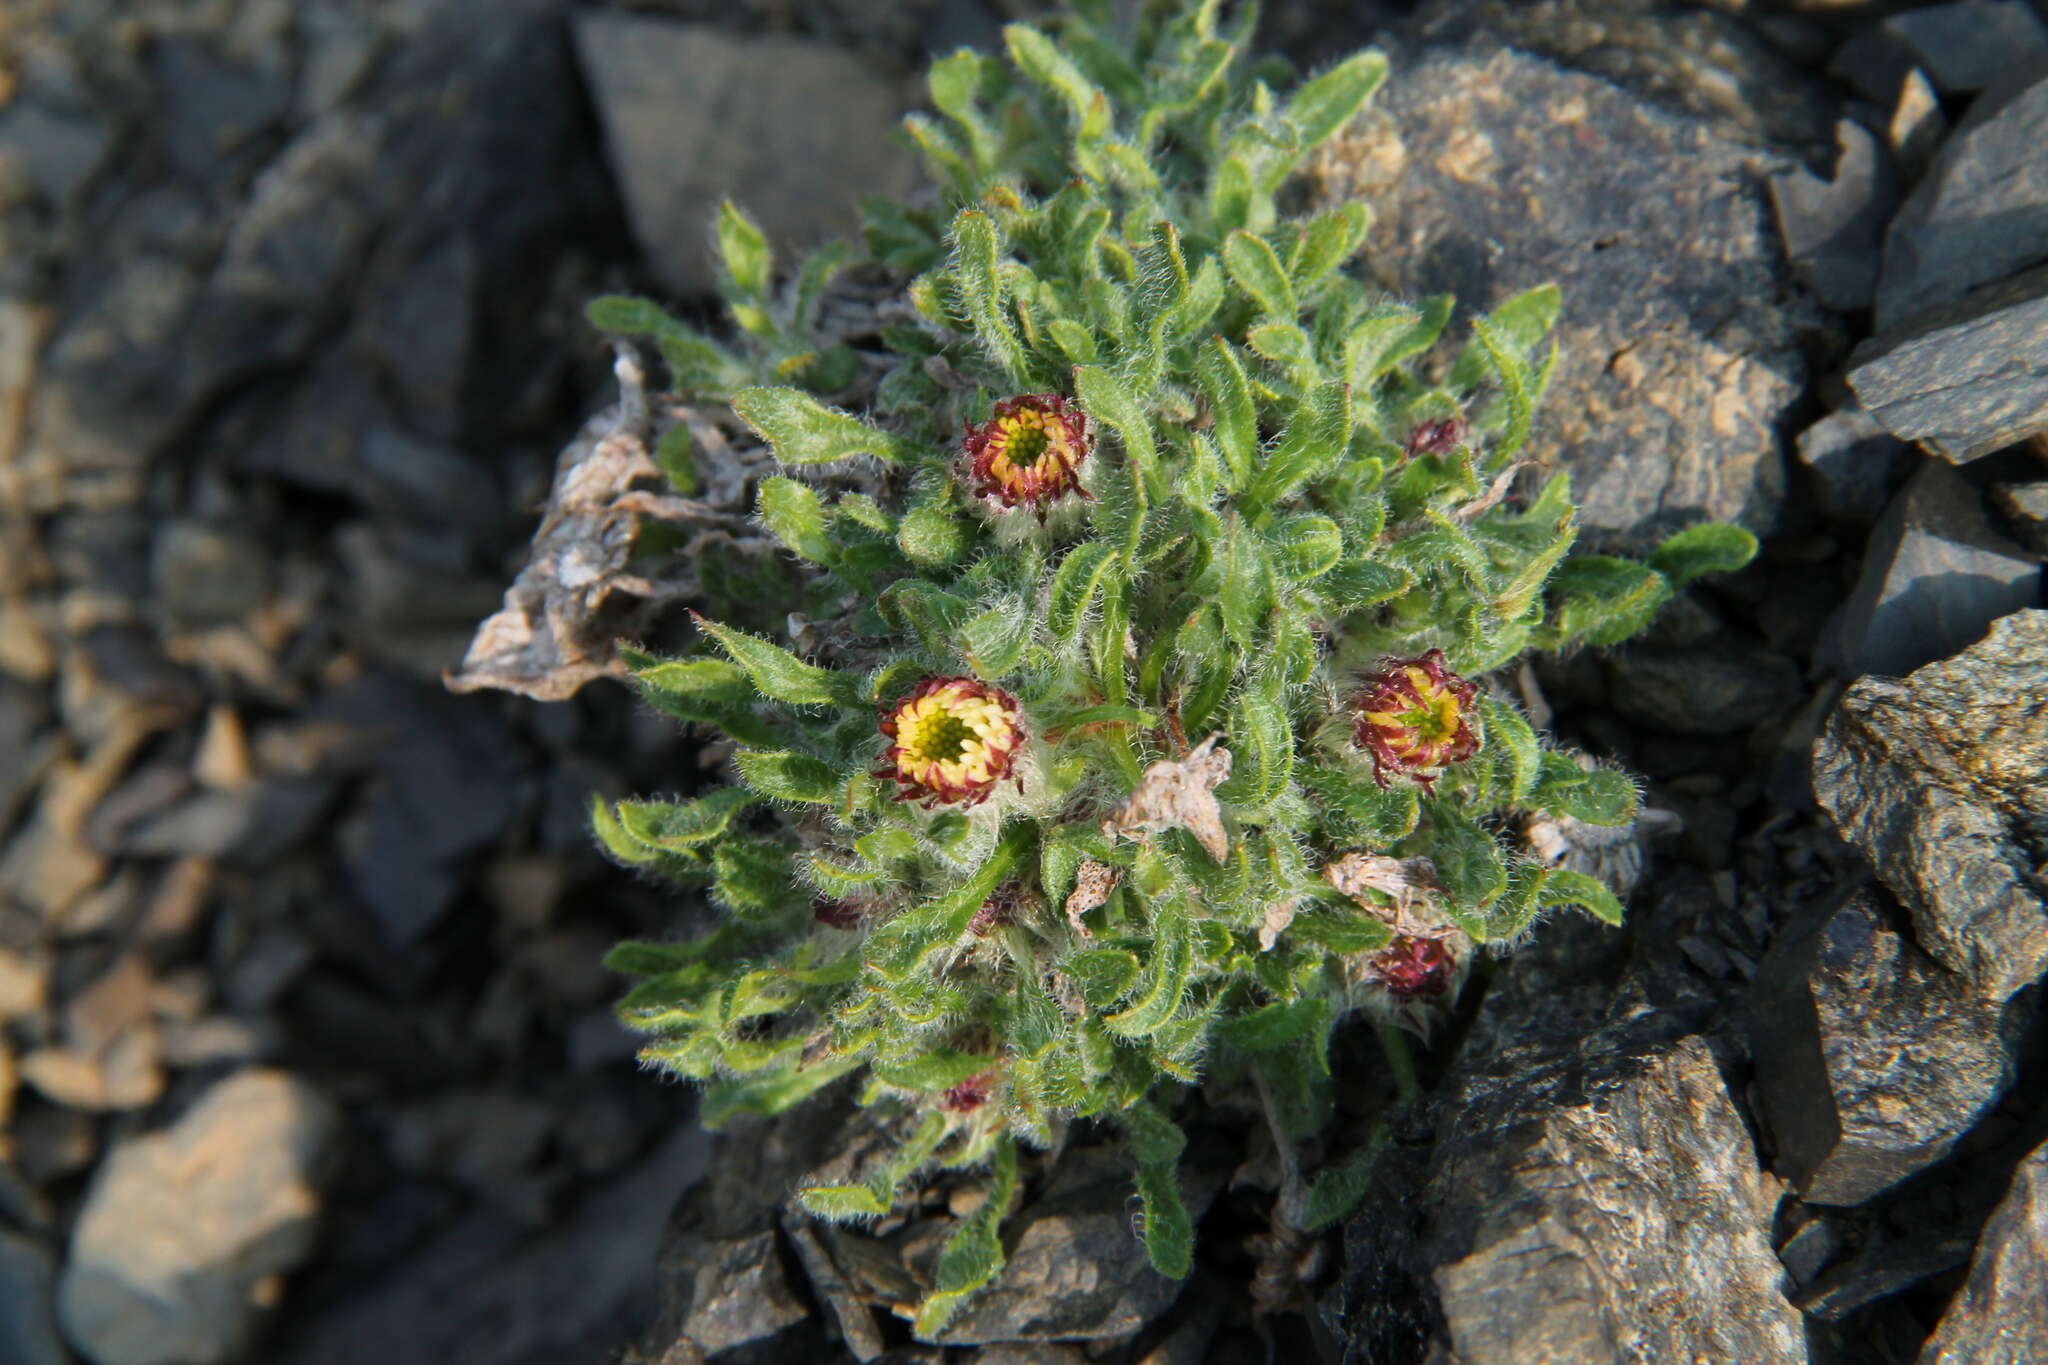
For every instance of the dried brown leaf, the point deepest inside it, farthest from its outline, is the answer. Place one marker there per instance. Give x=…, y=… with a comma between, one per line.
x=1178, y=794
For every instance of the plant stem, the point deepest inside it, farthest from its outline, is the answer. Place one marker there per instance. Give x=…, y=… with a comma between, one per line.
x=1394, y=1043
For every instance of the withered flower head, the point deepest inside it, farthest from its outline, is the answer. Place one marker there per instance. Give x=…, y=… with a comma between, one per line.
x=1412, y=966
x=969, y=1095
x=1436, y=438
x=952, y=739
x=1414, y=717
x=1029, y=453
x=1002, y=907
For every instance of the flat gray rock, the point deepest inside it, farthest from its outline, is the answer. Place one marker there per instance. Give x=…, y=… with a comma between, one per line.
x=1491, y=171
x=1871, y=1058
x=1966, y=378
x=2000, y=1315
x=1856, y=464
x=794, y=131
x=1935, y=575
x=1971, y=44
x=1718, y=688
x=180, y=1227
x=1980, y=213
x=1940, y=779
x=1834, y=228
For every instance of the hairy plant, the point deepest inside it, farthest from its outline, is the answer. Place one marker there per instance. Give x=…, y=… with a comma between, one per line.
x=1148, y=733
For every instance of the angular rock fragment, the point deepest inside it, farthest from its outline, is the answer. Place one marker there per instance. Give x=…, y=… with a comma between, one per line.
x=28, y=1278
x=1965, y=46
x=1980, y=213
x=1940, y=779
x=1855, y=463
x=1592, y=1194
x=182, y=1227
x=2000, y=1316
x=794, y=130
x=1935, y=575
x=1963, y=379
x=1872, y=1058
x=2025, y=506
x=1834, y=228
x=1679, y=345
x=1917, y=128
x=1717, y=689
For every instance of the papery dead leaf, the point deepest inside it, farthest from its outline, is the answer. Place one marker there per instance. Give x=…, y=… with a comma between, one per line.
x=1178, y=794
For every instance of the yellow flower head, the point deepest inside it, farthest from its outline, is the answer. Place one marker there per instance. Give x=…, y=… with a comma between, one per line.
x=952, y=740
x=1029, y=452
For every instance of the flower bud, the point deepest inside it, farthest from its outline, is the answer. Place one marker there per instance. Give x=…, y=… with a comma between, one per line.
x=1029, y=453
x=1414, y=718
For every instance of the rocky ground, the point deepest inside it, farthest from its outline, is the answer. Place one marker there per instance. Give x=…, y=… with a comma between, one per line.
x=304, y=1052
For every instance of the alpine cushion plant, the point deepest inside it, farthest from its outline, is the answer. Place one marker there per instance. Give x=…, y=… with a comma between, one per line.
x=1147, y=735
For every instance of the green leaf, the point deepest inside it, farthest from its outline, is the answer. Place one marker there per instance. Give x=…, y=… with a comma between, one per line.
x=779, y=673
x=1261, y=750
x=1388, y=335
x=683, y=826
x=1075, y=584
x=1155, y=1139
x=1102, y=975
x=1339, y=1189
x=1603, y=796
x=994, y=641
x=743, y=247
x=931, y=537
x=625, y=315
x=1305, y=547
x=794, y=516
x=804, y=431
x=1327, y=243
x=1516, y=388
x=787, y=776
x=1160, y=989
x=1112, y=403
x=754, y=878
x=1317, y=435
x=1279, y=1024
x=977, y=270
x=1561, y=886
x=1235, y=413
x=939, y=1069
x=675, y=453
x=841, y=1203
x=1325, y=104
x=1041, y=61
x=1516, y=326
x=617, y=841
x=1257, y=270
x=973, y=1256
x=1711, y=547
x=1510, y=738
x=1169, y=1232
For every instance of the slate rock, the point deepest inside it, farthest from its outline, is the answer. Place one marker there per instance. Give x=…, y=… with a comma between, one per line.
x=1964, y=47
x=1491, y=171
x=208, y=574
x=1626, y=1221
x=794, y=130
x=1886, y=1270
x=1591, y=1193
x=2025, y=506
x=1963, y=379
x=1719, y=689
x=1856, y=464
x=1076, y=1269
x=1940, y=779
x=1833, y=229
x=1917, y=127
x=1872, y=1059
x=1980, y=213
x=181, y=1227
x=28, y=1280
x=1935, y=576
x=2000, y=1315
x=489, y=1291
x=1715, y=68
x=739, y=1293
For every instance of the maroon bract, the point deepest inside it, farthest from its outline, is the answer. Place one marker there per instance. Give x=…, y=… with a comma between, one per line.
x=834, y=913
x=1414, y=718
x=1029, y=452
